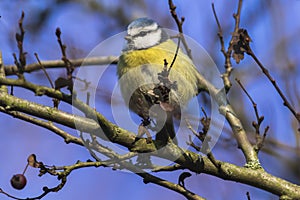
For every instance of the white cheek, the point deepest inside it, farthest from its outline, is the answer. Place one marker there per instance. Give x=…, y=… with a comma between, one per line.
x=148, y=40
x=136, y=31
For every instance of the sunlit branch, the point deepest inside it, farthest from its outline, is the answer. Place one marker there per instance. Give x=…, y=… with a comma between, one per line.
x=12, y=103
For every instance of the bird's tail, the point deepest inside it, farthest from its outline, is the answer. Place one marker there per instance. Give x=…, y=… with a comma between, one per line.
x=167, y=130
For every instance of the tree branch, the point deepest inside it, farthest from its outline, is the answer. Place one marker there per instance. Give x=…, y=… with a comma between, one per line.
x=277, y=88
x=12, y=103
x=107, y=126
x=167, y=168
x=220, y=31
x=147, y=177
x=227, y=54
x=259, y=119
x=3, y=88
x=96, y=124
x=45, y=124
x=237, y=16
x=186, y=159
x=241, y=136
x=179, y=23
x=12, y=69
x=111, y=129
x=44, y=70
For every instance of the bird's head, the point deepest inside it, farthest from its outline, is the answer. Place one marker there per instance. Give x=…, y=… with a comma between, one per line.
x=143, y=33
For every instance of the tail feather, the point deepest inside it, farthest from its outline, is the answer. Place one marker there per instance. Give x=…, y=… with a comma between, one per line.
x=167, y=130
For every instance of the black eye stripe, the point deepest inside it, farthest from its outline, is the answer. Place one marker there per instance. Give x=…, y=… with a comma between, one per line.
x=143, y=33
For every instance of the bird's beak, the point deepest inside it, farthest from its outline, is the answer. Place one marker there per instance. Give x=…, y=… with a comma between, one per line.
x=127, y=37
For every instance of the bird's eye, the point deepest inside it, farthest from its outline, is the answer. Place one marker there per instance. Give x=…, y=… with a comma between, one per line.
x=142, y=33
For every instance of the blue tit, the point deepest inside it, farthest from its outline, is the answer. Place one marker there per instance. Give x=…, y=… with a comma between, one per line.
x=142, y=58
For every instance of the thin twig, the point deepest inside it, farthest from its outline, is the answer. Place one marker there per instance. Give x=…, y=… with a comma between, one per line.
x=237, y=16
x=201, y=138
x=68, y=64
x=20, y=39
x=55, y=101
x=21, y=62
x=147, y=177
x=274, y=83
x=84, y=81
x=250, y=98
x=261, y=140
x=88, y=96
x=212, y=158
x=175, y=55
x=226, y=54
x=189, y=126
x=259, y=119
x=3, y=88
x=179, y=24
x=192, y=144
x=220, y=32
x=248, y=196
x=11, y=90
x=44, y=70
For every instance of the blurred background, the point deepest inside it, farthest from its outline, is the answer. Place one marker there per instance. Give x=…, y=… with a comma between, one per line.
x=275, y=31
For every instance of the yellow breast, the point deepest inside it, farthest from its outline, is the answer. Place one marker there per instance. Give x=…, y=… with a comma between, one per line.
x=139, y=66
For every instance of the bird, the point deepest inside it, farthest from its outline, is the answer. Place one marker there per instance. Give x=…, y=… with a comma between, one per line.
x=147, y=46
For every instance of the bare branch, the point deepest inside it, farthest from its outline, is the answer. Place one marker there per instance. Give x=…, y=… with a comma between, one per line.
x=187, y=159
x=11, y=103
x=277, y=88
x=3, y=88
x=251, y=174
x=54, y=64
x=205, y=121
x=250, y=98
x=21, y=62
x=226, y=54
x=226, y=109
x=180, y=29
x=147, y=177
x=45, y=124
x=167, y=168
x=241, y=136
x=248, y=196
x=241, y=45
x=220, y=32
x=69, y=66
x=44, y=70
x=259, y=119
x=237, y=16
